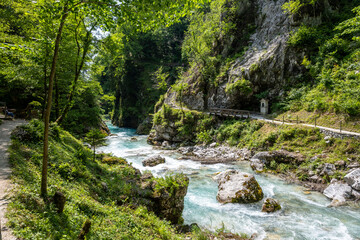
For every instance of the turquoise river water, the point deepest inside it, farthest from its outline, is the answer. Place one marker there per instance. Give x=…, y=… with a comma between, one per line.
x=303, y=216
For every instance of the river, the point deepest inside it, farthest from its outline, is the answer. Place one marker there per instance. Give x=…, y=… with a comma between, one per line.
x=303, y=215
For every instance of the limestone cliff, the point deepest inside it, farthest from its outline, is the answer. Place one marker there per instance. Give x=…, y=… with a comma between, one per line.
x=268, y=65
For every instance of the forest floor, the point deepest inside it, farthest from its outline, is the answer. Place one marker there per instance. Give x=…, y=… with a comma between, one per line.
x=5, y=171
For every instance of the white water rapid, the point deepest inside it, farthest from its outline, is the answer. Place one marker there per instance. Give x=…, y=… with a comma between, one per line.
x=303, y=216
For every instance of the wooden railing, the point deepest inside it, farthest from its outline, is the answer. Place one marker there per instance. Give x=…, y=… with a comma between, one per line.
x=229, y=112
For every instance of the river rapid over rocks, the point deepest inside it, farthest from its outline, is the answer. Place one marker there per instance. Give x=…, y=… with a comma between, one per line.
x=303, y=214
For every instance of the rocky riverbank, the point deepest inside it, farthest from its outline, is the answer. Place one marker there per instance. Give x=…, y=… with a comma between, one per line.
x=213, y=154
x=322, y=179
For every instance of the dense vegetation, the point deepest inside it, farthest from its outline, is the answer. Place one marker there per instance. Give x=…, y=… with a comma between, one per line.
x=102, y=190
x=332, y=61
x=136, y=68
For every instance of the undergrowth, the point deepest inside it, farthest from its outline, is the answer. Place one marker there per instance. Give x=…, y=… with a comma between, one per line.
x=73, y=172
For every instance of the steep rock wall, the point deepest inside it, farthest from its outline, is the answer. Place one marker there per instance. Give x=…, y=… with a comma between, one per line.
x=269, y=63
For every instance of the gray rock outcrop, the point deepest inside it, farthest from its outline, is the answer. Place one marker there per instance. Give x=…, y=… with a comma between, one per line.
x=238, y=187
x=353, y=179
x=338, y=192
x=153, y=161
x=264, y=159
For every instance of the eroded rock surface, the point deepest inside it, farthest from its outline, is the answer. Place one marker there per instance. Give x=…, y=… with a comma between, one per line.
x=238, y=187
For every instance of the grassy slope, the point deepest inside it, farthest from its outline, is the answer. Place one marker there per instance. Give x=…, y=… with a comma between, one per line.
x=117, y=212
x=260, y=136
x=72, y=171
x=331, y=120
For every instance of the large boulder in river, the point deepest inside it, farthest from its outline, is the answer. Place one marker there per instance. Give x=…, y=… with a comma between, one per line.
x=238, y=187
x=338, y=192
x=353, y=179
x=270, y=205
x=153, y=161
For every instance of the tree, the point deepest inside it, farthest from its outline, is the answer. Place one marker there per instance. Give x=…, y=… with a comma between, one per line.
x=146, y=14
x=95, y=138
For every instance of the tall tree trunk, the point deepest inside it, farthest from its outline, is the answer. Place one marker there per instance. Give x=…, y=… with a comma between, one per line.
x=45, y=83
x=48, y=106
x=57, y=110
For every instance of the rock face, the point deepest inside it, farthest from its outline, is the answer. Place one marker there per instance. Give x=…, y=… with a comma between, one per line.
x=338, y=192
x=153, y=161
x=145, y=126
x=237, y=187
x=270, y=205
x=169, y=201
x=353, y=179
x=269, y=62
x=262, y=159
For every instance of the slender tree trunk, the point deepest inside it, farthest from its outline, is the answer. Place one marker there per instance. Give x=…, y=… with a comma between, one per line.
x=48, y=106
x=45, y=82
x=78, y=69
x=57, y=110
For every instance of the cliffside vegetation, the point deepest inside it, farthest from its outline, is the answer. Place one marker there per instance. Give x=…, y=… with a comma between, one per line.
x=332, y=63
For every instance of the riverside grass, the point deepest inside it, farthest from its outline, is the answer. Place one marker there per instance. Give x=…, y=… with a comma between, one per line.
x=260, y=136
x=73, y=172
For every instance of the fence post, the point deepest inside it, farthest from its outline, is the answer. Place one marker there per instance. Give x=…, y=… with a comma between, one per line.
x=315, y=121
x=297, y=119
x=340, y=125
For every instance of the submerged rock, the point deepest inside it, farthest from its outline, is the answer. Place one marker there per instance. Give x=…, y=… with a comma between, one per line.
x=153, y=161
x=238, y=187
x=353, y=179
x=270, y=205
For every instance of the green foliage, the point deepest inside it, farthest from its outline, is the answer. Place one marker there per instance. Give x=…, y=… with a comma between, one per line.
x=294, y=6
x=137, y=68
x=332, y=63
x=305, y=36
x=233, y=132
x=241, y=86
x=170, y=183
x=95, y=138
x=187, y=123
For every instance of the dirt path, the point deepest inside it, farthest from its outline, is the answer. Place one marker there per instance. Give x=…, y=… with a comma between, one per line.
x=354, y=134
x=5, y=185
